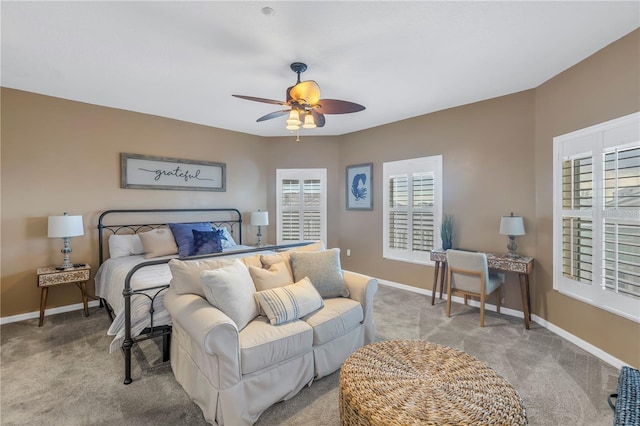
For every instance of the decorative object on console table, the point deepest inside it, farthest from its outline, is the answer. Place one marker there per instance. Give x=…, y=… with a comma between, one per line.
x=259, y=219
x=77, y=274
x=65, y=227
x=359, y=188
x=512, y=226
x=446, y=232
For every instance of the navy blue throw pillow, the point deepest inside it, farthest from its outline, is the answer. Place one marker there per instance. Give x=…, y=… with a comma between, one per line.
x=206, y=242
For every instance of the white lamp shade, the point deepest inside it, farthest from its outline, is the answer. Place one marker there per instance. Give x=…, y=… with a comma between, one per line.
x=65, y=226
x=259, y=218
x=511, y=225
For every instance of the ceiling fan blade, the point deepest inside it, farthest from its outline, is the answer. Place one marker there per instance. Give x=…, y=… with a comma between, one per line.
x=318, y=118
x=307, y=91
x=335, y=106
x=266, y=101
x=275, y=114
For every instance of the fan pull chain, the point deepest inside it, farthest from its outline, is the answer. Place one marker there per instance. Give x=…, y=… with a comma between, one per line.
x=297, y=135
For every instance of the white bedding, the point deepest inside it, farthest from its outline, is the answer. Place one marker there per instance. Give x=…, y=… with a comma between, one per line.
x=109, y=281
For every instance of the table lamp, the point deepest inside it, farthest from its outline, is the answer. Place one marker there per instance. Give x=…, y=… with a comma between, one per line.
x=512, y=226
x=65, y=227
x=259, y=219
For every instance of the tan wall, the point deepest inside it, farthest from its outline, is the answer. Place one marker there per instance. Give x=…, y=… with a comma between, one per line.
x=488, y=168
x=59, y=156
x=311, y=153
x=604, y=86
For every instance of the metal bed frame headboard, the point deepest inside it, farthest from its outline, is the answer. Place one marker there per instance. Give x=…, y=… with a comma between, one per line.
x=234, y=221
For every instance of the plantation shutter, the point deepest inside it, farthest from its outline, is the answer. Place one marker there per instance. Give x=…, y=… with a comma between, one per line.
x=412, y=208
x=597, y=215
x=301, y=205
x=577, y=221
x=621, y=241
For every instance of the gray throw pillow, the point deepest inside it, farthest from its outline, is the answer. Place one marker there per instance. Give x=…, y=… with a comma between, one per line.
x=323, y=270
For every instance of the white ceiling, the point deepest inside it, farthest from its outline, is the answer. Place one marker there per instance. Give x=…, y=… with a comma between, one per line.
x=400, y=59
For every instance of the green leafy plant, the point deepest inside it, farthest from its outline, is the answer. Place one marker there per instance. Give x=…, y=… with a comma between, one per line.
x=446, y=231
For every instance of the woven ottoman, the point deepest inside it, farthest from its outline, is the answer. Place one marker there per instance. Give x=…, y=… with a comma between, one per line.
x=410, y=382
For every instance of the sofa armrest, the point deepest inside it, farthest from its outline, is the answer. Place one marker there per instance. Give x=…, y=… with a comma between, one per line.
x=362, y=288
x=209, y=328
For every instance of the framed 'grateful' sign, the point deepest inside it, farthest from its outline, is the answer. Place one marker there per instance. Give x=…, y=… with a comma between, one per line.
x=148, y=172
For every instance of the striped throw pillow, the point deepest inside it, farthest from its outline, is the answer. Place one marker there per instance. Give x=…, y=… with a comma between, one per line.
x=288, y=303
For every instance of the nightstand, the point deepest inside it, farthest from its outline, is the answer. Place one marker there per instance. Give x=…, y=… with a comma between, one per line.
x=50, y=276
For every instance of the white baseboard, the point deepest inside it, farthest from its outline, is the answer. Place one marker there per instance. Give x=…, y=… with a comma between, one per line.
x=47, y=312
x=593, y=350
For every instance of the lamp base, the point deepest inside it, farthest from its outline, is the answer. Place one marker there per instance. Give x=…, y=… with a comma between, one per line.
x=66, y=251
x=259, y=237
x=512, y=247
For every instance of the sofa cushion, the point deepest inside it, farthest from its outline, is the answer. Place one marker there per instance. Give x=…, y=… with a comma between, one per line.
x=323, y=269
x=264, y=345
x=185, y=275
x=231, y=290
x=277, y=275
x=290, y=302
x=158, y=242
x=337, y=317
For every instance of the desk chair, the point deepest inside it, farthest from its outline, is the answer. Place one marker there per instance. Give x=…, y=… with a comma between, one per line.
x=468, y=274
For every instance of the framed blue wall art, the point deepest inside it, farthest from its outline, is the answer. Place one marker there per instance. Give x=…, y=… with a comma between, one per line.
x=359, y=187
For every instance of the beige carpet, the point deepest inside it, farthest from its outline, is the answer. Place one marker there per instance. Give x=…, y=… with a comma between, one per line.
x=62, y=373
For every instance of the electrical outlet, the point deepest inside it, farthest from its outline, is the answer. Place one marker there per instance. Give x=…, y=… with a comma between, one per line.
x=348, y=252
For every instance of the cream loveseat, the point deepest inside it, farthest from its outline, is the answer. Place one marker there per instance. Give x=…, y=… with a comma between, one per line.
x=233, y=362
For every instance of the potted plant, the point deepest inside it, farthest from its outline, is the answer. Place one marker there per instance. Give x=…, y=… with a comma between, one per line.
x=446, y=231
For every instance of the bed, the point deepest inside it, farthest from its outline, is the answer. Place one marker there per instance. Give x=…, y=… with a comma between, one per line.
x=132, y=287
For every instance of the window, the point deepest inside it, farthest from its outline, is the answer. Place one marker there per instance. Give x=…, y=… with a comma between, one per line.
x=596, y=218
x=301, y=205
x=412, y=204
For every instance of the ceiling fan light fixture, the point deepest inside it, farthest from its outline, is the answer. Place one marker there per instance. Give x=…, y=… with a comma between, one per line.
x=309, y=123
x=305, y=108
x=293, y=122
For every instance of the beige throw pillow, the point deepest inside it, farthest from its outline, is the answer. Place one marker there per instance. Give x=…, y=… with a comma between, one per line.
x=269, y=260
x=277, y=275
x=323, y=269
x=288, y=303
x=186, y=274
x=253, y=260
x=158, y=242
x=231, y=290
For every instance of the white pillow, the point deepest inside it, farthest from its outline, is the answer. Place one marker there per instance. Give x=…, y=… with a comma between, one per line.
x=231, y=290
x=288, y=303
x=125, y=245
x=185, y=275
x=227, y=239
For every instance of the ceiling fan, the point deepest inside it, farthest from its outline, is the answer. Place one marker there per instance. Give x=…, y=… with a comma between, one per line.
x=304, y=104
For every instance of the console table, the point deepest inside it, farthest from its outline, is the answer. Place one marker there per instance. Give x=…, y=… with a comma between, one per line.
x=521, y=265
